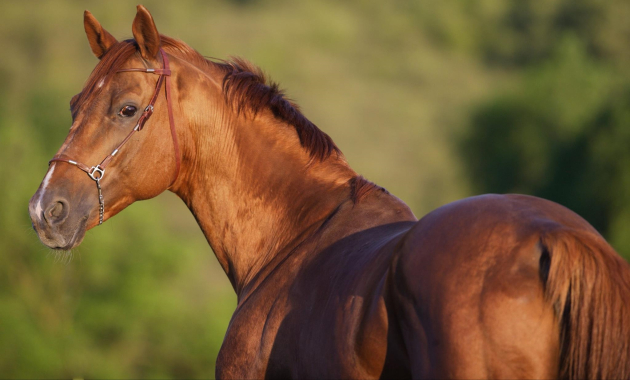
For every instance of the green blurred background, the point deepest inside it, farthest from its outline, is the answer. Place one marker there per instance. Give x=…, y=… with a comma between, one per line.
x=435, y=100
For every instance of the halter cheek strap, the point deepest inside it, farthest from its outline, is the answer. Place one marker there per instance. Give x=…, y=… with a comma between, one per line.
x=96, y=172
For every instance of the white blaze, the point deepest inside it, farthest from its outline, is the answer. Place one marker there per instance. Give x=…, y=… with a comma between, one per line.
x=38, y=208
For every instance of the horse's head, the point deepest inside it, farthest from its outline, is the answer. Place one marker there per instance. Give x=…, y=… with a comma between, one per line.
x=112, y=108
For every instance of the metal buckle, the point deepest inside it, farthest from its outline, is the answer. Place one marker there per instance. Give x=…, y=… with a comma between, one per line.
x=96, y=169
x=149, y=109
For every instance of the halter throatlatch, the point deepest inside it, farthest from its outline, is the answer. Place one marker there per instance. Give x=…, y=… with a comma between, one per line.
x=97, y=172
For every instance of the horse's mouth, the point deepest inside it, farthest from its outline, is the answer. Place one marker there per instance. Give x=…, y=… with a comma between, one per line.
x=63, y=242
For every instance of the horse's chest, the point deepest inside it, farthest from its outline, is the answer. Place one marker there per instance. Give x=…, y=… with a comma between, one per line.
x=295, y=342
x=251, y=342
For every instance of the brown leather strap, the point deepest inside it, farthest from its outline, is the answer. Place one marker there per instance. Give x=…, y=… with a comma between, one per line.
x=164, y=76
x=150, y=71
x=63, y=158
x=171, y=121
x=110, y=156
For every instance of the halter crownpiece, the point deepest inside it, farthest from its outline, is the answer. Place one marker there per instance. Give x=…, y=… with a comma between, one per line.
x=97, y=172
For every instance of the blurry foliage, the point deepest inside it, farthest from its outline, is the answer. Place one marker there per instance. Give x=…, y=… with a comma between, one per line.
x=562, y=133
x=534, y=93
x=518, y=34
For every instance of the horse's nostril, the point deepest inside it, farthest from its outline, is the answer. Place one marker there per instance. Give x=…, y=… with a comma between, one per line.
x=56, y=212
x=57, y=209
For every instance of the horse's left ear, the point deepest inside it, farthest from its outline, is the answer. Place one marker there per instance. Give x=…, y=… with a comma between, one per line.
x=146, y=34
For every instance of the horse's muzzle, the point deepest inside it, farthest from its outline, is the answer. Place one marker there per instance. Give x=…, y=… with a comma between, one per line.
x=53, y=222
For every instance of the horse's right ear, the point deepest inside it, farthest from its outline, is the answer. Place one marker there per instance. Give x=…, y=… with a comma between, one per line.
x=100, y=40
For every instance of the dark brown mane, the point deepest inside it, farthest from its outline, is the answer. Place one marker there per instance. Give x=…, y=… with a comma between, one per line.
x=246, y=88
x=244, y=85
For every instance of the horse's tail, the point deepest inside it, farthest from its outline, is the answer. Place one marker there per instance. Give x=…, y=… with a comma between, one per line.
x=589, y=286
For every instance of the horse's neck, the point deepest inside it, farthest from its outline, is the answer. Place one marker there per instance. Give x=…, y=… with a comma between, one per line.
x=253, y=188
x=256, y=192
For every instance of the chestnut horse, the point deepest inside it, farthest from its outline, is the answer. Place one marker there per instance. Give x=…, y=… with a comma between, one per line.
x=335, y=277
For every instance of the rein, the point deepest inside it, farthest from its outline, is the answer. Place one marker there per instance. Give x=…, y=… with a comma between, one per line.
x=97, y=172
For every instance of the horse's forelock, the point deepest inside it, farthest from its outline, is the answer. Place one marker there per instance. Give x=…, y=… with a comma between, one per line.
x=113, y=60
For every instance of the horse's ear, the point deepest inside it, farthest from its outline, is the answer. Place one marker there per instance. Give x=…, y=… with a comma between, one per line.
x=100, y=40
x=146, y=34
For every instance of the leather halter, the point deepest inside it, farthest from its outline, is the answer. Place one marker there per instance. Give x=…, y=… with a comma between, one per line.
x=96, y=172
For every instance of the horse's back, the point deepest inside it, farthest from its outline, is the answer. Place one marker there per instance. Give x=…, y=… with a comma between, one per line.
x=468, y=286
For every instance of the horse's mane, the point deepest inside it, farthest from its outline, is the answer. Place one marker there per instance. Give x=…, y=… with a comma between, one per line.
x=245, y=87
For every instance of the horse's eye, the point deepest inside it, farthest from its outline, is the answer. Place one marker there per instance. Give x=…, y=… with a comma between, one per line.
x=127, y=111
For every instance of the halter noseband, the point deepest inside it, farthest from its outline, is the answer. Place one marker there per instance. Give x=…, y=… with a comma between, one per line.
x=96, y=172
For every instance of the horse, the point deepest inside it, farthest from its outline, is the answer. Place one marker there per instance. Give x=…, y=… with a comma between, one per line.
x=335, y=276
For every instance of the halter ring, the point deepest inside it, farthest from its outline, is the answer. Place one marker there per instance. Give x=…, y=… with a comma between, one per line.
x=94, y=170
